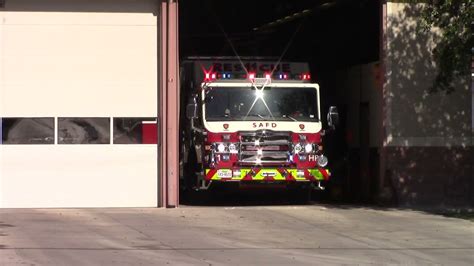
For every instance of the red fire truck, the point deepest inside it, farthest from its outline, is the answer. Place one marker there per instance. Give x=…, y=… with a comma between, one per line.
x=252, y=121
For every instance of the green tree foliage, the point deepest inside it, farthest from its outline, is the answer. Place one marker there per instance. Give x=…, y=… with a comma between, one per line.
x=453, y=51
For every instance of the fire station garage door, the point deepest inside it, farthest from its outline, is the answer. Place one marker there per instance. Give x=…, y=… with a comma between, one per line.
x=78, y=103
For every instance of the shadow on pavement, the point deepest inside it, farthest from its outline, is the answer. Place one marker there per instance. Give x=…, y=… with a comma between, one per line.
x=280, y=197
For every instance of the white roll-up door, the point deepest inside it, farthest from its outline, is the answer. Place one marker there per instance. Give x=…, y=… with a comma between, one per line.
x=85, y=72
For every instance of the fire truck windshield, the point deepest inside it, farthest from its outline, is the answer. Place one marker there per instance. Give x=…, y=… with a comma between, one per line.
x=272, y=103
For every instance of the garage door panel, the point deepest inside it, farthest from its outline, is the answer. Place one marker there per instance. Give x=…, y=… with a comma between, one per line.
x=81, y=6
x=78, y=176
x=116, y=65
x=74, y=58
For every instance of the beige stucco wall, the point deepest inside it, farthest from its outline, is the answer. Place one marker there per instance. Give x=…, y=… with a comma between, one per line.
x=74, y=58
x=428, y=139
x=415, y=116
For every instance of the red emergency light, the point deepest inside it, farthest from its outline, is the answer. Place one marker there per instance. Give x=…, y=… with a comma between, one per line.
x=212, y=76
x=209, y=76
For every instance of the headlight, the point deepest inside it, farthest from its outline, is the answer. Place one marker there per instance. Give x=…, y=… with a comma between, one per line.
x=233, y=148
x=298, y=148
x=308, y=148
x=322, y=161
x=221, y=147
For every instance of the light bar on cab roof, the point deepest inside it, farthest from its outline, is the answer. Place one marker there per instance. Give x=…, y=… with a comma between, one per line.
x=212, y=76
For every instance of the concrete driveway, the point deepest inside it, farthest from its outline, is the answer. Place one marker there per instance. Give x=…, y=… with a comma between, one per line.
x=232, y=235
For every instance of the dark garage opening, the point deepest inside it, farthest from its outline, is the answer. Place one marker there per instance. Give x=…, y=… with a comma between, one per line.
x=333, y=36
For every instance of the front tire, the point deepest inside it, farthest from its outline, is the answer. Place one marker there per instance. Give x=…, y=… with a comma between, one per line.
x=300, y=195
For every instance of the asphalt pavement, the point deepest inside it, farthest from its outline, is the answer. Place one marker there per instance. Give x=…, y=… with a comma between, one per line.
x=223, y=235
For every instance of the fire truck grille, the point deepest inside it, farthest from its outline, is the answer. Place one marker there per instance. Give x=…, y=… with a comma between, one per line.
x=265, y=147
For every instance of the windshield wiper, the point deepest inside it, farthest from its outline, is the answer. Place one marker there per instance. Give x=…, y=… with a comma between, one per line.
x=290, y=117
x=257, y=115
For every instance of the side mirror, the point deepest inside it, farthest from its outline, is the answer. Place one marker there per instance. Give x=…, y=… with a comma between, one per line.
x=333, y=117
x=191, y=110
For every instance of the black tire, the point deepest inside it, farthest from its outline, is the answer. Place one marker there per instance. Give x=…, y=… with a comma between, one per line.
x=197, y=197
x=300, y=195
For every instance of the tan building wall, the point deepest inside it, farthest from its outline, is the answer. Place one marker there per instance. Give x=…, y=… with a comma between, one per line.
x=416, y=116
x=428, y=136
x=419, y=149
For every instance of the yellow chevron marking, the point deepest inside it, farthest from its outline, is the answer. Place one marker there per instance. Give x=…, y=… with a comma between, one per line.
x=265, y=172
